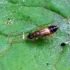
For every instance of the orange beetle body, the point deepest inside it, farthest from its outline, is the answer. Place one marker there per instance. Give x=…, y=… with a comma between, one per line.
x=43, y=32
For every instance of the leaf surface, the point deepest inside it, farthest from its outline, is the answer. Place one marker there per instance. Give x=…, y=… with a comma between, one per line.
x=24, y=16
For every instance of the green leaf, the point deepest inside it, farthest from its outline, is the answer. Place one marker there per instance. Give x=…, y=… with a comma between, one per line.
x=24, y=16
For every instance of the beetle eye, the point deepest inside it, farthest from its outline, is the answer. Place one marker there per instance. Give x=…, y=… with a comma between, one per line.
x=30, y=36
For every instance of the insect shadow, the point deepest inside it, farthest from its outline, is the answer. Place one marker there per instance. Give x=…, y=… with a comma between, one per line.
x=39, y=42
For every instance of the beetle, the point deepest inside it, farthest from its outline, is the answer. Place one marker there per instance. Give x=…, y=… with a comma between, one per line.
x=43, y=32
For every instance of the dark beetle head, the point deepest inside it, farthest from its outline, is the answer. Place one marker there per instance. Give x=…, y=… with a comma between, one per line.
x=53, y=28
x=30, y=36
